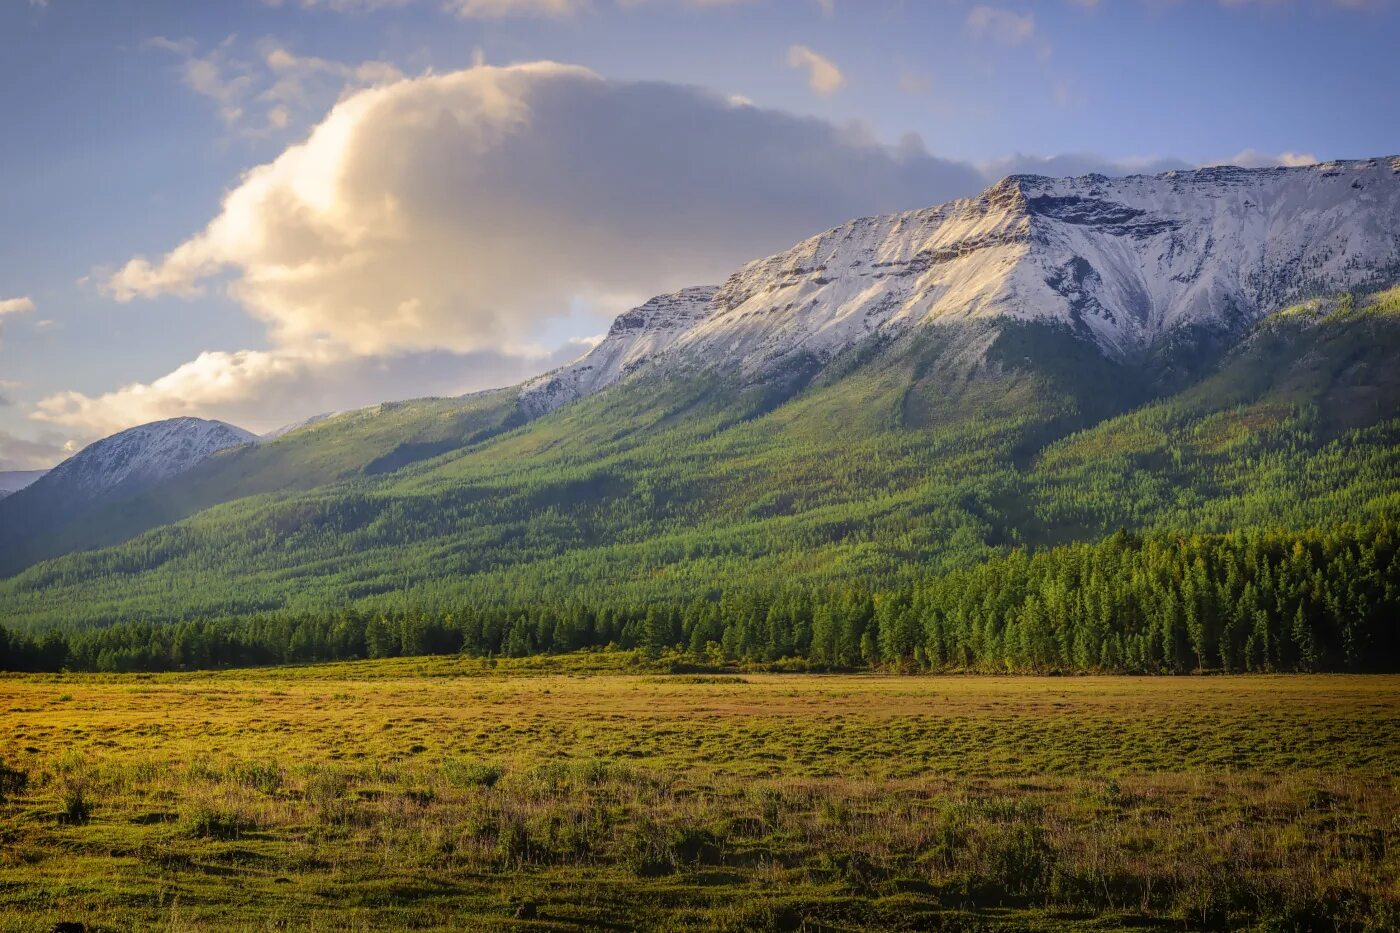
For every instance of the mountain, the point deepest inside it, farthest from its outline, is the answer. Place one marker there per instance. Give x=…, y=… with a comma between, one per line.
x=33, y=520
x=898, y=395
x=632, y=341
x=1133, y=264
x=12, y=481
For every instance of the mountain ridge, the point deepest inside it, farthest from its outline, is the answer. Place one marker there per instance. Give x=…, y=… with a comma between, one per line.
x=1131, y=263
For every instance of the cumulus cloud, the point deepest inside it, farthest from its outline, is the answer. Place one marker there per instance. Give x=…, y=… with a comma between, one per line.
x=823, y=76
x=914, y=83
x=466, y=210
x=261, y=390
x=430, y=231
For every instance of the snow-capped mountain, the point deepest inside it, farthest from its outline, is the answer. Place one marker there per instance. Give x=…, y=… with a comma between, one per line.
x=1126, y=262
x=632, y=341
x=142, y=455
x=105, y=472
x=15, y=480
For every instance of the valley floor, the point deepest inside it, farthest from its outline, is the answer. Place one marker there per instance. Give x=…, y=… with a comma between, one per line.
x=590, y=791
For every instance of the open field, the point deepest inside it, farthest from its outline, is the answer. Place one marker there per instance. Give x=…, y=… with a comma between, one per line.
x=560, y=793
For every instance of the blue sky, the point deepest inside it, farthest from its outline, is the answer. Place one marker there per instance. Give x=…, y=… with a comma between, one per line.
x=692, y=136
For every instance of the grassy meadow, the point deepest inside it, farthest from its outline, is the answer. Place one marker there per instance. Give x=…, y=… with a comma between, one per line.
x=599, y=791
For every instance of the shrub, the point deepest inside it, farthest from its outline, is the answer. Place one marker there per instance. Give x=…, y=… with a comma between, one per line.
x=77, y=806
x=471, y=773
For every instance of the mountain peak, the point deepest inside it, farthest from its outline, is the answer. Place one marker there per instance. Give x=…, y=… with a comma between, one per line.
x=144, y=454
x=1126, y=263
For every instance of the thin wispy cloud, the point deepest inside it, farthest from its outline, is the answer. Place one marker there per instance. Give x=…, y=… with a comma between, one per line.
x=267, y=89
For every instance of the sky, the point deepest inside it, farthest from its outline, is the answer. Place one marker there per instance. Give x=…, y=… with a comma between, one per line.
x=259, y=211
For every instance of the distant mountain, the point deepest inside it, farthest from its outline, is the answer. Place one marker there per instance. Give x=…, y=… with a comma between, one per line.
x=33, y=519
x=1050, y=361
x=14, y=480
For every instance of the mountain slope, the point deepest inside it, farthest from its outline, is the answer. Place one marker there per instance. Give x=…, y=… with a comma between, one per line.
x=106, y=472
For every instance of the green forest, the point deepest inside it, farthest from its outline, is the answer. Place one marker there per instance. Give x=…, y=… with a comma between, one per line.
x=1266, y=601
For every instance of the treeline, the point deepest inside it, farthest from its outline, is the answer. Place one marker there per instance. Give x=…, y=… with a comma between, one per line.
x=1250, y=601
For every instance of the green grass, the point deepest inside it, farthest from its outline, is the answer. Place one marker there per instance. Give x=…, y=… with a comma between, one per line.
x=597, y=790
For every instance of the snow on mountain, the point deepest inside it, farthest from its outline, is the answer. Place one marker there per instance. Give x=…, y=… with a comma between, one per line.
x=141, y=456
x=1125, y=261
x=633, y=340
x=15, y=480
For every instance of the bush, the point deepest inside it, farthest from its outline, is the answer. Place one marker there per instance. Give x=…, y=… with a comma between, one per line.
x=77, y=806
x=471, y=773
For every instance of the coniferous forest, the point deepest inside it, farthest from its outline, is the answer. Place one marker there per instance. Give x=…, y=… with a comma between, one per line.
x=1252, y=601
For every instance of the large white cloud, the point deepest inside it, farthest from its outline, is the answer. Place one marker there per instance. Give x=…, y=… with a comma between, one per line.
x=466, y=210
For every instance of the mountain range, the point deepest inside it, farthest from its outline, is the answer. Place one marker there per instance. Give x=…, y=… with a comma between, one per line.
x=1046, y=362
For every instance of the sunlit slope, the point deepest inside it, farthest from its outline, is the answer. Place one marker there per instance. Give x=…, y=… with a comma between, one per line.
x=933, y=451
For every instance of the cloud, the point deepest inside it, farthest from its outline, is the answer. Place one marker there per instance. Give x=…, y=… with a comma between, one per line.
x=1253, y=158
x=263, y=92
x=823, y=76
x=468, y=210
x=1001, y=26
x=501, y=9
x=1078, y=163
x=15, y=306
x=261, y=390
x=1007, y=28
x=9, y=306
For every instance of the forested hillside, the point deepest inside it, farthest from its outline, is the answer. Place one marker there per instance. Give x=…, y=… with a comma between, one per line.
x=1255, y=601
x=894, y=463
